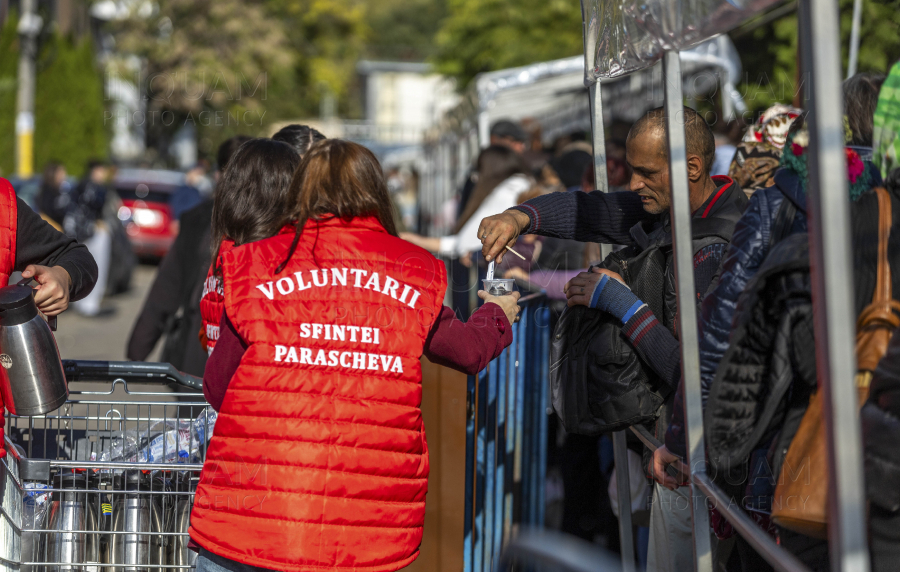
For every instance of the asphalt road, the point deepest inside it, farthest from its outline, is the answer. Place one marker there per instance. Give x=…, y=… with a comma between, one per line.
x=105, y=338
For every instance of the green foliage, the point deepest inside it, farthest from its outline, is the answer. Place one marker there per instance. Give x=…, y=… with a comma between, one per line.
x=769, y=53
x=484, y=35
x=403, y=30
x=328, y=38
x=205, y=54
x=68, y=107
x=9, y=60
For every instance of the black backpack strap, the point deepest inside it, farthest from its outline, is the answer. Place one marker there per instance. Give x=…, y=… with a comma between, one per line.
x=784, y=221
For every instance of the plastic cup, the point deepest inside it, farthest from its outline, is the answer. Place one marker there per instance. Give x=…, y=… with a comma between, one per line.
x=500, y=286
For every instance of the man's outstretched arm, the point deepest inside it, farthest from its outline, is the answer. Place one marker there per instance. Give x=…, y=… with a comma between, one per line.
x=587, y=217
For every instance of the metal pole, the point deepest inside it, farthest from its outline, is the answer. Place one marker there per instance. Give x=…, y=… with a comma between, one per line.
x=484, y=129
x=601, y=180
x=623, y=488
x=687, y=307
x=29, y=27
x=832, y=278
x=854, y=38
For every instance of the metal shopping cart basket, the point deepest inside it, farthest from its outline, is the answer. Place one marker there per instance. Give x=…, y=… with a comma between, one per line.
x=106, y=482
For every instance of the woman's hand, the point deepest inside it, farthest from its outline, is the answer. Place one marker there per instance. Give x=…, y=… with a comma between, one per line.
x=508, y=302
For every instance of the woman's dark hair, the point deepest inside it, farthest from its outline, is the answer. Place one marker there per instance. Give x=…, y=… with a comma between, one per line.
x=860, y=101
x=253, y=196
x=300, y=137
x=228, y=148
x=341, y=179
x=495, y=165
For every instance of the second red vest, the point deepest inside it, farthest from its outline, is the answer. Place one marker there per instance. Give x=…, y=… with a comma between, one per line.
x=212, y=302
x=8, y=228
x=319, y=460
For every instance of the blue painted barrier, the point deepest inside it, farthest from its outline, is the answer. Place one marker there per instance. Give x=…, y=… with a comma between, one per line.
x=506, y=440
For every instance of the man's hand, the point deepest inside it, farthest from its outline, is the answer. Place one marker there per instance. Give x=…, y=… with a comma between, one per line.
x=499, y=231
x=508, y=302
x=52, y=293
x=663, y=457
x=579, y=290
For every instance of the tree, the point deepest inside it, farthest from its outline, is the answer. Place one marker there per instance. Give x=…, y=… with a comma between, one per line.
x=68, y=109
x=328, y=38
x=769, y=52
x=484, y=35
x=9, y=58
x=404, y=30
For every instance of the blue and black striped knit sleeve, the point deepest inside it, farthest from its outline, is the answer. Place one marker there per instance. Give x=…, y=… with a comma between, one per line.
x=653, y=341
x=588, y=217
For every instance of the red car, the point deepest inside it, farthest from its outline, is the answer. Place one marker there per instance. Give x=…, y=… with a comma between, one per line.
x=145, y=211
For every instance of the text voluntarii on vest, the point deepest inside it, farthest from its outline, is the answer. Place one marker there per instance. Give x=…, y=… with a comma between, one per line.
x=333, y=358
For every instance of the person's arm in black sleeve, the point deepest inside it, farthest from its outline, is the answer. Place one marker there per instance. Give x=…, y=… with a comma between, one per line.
x=586, y=217
x=162, y=302
x=39, y=243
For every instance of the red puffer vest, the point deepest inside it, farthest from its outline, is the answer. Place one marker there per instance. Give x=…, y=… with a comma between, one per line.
x=8, y=214
x=212, y=302
x=318, y=460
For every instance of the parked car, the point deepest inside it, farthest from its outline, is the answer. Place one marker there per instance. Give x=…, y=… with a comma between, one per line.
x=145, y=208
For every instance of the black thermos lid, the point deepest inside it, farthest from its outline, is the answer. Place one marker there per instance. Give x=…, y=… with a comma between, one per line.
x=16, y=305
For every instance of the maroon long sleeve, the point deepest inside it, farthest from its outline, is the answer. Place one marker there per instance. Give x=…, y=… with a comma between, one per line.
x=468, y=346
x=463, y=346
x=222, y=363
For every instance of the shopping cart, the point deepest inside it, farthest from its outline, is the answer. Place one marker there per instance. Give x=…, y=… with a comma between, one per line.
x=106, y=482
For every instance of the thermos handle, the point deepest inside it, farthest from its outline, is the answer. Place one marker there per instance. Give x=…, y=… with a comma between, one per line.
x=51, y=320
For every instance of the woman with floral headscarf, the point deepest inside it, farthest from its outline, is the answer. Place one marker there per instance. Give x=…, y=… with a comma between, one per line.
x=758, y=155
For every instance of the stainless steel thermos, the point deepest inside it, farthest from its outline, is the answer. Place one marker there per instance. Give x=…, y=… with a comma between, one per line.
x=32, y=380
x=178, y=521
x=137, y=514
x=73, y=537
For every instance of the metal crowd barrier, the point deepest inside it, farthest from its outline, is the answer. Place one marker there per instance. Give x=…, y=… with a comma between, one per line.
x=832, y=298
x=506, y=440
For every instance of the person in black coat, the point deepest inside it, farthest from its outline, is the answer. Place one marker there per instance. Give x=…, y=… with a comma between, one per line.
x=172, y=307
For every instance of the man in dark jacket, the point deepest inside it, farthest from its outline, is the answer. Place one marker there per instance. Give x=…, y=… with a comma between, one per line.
x=633, y=217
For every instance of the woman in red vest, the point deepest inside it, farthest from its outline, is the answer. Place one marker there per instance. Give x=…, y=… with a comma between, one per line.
x=252, y=201
x=319, y=460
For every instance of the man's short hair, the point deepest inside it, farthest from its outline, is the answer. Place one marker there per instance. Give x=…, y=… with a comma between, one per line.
x=506, y=129
x=698, y=136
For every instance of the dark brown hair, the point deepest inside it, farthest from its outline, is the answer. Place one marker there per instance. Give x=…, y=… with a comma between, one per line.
x=341, y=179
x=495, y=164
x=860, y=99
x=300, y=137
x=253, y=196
